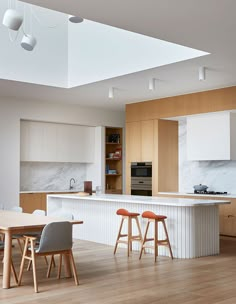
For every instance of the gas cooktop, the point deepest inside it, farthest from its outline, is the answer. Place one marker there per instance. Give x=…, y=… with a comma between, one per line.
x=209, y=192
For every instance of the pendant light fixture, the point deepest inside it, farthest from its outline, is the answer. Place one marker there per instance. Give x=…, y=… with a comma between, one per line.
x=28, y=42
x=12, y=19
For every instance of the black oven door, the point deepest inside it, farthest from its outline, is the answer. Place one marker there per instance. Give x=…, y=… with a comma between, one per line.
x=141, y=170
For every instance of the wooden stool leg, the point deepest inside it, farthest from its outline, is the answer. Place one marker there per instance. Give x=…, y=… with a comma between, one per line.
x=129, y=235
x=144, y=239
x=118, y=236
x=167, y=238
x=139, y=229
x=156, y=239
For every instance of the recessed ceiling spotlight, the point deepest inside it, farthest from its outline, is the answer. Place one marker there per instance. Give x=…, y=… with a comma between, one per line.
x=12, y=19
x=111, y=92
x=75, y=19
x=202, y=73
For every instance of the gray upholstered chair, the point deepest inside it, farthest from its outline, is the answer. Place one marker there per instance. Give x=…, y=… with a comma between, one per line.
x=20, y=237
x=56, y=238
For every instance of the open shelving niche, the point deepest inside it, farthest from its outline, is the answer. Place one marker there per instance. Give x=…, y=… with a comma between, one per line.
x=113, y=160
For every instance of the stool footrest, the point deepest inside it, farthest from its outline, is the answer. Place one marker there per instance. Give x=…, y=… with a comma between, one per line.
x=136, y=237
x=148, y=240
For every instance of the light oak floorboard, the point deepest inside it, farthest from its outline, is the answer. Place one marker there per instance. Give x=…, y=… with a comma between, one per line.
x=105, y=278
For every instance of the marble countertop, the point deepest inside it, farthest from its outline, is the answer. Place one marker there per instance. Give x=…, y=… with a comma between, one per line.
x=51, y=191
x=153, y=200
x=229, y=195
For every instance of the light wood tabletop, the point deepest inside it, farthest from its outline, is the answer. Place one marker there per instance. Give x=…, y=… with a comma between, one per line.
x=15, y=222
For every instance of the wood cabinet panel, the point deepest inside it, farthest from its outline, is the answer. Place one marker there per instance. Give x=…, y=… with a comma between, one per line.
x=147, y=133
x=57, y=142
x=31, y=201
x=155, y=141
x=188, y=104
x=133, y=142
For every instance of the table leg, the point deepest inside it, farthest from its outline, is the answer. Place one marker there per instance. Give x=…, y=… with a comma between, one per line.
x=7, y=261
x=67, y=266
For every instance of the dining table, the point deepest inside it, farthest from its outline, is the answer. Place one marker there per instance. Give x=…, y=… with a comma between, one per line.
x=20, y=223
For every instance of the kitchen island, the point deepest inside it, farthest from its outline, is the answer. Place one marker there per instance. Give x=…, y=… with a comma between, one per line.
x=193, y=224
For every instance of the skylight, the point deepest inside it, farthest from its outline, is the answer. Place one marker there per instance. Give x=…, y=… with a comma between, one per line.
x=71, y=55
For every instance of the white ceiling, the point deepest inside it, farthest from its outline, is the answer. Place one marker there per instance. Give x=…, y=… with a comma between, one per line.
x=206, y=25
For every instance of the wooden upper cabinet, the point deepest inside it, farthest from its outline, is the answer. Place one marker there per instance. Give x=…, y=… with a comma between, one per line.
x=139, y=141
x=147, y=140
x=56, y=142
x=133, y=141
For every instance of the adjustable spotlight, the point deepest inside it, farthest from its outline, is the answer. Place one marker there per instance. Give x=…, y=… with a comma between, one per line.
x=28, y=42
x=75, y=19
x=151, y=84
x=111, y=93
x=202, y=73
x=12, y=19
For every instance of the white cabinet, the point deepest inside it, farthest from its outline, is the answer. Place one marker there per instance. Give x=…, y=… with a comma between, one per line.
x=51, y=142
x=211, y=136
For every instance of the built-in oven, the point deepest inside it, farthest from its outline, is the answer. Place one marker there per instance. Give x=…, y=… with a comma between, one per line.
x=141, y=178
x=142, y=169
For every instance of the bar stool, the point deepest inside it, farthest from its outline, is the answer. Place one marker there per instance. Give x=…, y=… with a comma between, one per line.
x=152, y=217
x=129, y=216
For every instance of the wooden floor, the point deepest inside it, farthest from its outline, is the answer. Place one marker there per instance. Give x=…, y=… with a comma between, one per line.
x=108, y=279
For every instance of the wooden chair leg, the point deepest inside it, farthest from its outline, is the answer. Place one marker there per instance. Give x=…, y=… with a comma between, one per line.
x=49, y=267
x=74, y=268
x=34, y=265
x=167, y=238
x=144, y=239
x=14, y=272
x=59, y=267
x=118, y=236
x=23, y=262
x=20, y=245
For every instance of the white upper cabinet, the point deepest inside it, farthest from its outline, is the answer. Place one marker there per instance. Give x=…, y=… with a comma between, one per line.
x=211, y=136
x=51, y=142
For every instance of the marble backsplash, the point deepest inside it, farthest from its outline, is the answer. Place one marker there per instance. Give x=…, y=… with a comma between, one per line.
x=43, y=176
x=217, y=175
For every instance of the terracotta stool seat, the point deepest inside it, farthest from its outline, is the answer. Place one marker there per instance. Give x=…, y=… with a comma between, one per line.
x=155, y=218
x=125, y=212
x=152, y=215
x=129, y=216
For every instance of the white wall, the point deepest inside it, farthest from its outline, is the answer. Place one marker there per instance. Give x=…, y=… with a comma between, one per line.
x=11, y=111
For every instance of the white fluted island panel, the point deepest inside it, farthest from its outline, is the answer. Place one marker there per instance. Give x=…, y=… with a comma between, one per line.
x=193, y=224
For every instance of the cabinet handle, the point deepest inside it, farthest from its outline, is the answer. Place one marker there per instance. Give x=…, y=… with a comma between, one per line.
x=230, y=215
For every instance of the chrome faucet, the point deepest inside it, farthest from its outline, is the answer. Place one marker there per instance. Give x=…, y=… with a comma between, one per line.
x=72, y=180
